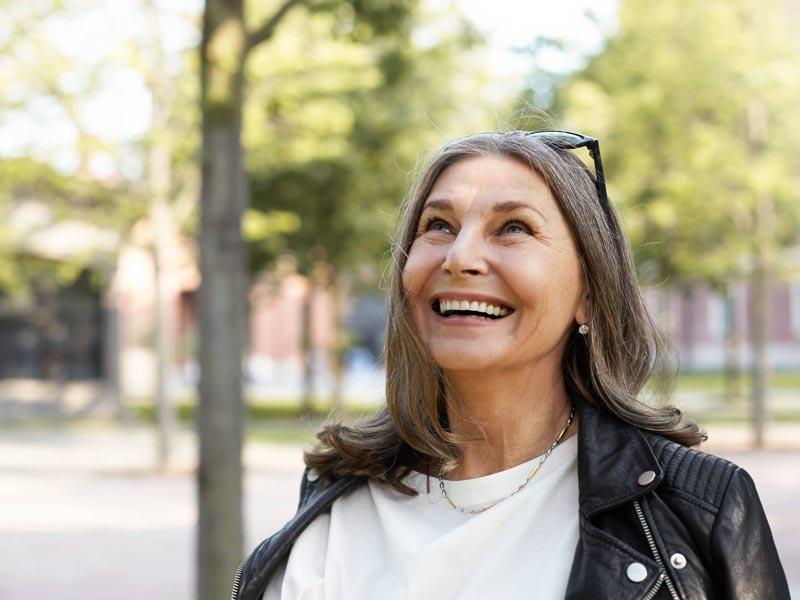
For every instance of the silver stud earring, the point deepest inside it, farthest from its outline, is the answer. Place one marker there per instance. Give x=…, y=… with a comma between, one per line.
x=583, y=329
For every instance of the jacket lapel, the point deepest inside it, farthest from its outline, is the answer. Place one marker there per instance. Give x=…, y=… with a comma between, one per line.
x=611, y=457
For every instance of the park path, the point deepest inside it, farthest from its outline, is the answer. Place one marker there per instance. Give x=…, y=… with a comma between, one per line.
x=84, y=515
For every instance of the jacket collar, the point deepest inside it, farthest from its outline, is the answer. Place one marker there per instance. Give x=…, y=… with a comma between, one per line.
x=612, y=455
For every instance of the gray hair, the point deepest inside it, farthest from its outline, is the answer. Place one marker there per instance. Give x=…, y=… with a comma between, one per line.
x=607, y=368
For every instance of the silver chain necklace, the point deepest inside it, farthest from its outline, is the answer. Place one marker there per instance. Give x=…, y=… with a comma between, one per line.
x=474, y=511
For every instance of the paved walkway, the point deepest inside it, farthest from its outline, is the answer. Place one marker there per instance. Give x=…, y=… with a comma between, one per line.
x=82, y=512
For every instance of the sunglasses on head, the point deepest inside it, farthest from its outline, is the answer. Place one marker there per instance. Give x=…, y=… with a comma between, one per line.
x=568, y=140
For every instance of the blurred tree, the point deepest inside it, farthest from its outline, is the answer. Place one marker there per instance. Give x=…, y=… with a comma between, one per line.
x=696, y=104
x=228, y=40
x=160, y=187
x=350, y=115
x=47, y=78
x=40, y=84
x=49, y=197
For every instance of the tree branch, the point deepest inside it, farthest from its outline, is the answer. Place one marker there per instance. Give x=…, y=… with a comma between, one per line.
x=267, y=29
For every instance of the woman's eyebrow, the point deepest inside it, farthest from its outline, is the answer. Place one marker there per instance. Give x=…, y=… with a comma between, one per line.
x=439, y=204
x=508, y=206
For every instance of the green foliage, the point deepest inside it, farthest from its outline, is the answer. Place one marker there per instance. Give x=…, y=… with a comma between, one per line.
x=333, y=125
x=696, y=107
x=364, y=20
x=66, y=199
x=67, y=196
x=266, y=232
x=41, y=76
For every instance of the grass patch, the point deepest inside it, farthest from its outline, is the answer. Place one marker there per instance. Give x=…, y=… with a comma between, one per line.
x=292, y=432
x=274, y=421
x=716, y=380
x=741, y=417
x=273, y=410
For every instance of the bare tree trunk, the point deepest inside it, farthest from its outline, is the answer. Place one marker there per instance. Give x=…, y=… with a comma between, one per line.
x=160, y=180
x=307, y=399
x=339, y=294
x=111, y=348
x=223, y=198
x=163, y=327
x=761, y=370
x=159, y=176
x=762, y=250
x=733, y=343
x=687, y=326
x=222, y=297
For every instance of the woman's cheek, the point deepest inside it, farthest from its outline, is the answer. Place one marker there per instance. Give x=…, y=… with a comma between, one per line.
x=411, y=283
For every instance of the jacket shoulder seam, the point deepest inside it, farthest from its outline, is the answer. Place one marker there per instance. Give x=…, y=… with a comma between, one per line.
x=692, y=499
x=693, y=473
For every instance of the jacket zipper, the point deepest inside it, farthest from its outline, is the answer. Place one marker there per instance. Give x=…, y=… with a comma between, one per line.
x=663, y=578
x=236, y=580
x=656, y=586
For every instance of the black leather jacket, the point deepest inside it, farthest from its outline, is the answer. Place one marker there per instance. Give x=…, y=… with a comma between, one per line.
x=657, y=521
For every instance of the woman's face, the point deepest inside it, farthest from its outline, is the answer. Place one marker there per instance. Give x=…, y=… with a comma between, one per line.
x=492, y=239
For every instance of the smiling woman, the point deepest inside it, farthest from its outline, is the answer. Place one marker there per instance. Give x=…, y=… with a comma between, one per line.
x=491, y=233
x=517, y=345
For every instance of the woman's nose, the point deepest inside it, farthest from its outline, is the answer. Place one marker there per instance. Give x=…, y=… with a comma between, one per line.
x=466, y=255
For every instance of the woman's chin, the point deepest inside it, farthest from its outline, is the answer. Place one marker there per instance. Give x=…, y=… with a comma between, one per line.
x=465, y=361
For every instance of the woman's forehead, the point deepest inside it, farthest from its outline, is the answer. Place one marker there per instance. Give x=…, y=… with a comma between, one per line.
x=500, y=183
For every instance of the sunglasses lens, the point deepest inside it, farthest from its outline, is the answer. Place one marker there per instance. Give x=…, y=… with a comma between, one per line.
x=561, y=139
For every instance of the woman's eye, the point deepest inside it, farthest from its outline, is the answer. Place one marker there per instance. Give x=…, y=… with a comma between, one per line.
x=437, y=225
x=515, y=227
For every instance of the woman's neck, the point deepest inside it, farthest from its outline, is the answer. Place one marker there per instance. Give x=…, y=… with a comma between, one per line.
x=512, y=418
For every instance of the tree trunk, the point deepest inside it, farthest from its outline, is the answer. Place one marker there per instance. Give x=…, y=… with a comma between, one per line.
x=222, y=298
x=159, y=175
x=222, y=301
x=160, y=179
x=307, y=399
x=762, y=255
x=733, y=343
x=163, y=322
x=761, y=326
x=111, y=348
x=761, y=286
x=687, y=325
x=339, y=294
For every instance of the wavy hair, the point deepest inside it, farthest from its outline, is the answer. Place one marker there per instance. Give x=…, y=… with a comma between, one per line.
x=608, y=368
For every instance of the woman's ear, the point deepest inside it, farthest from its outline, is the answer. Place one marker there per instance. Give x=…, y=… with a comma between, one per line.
x=582, y=313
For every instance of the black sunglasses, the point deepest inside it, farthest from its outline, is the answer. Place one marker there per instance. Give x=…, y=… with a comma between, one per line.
x=568, y=140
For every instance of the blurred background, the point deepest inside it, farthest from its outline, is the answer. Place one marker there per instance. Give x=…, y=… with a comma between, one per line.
x=263, y=149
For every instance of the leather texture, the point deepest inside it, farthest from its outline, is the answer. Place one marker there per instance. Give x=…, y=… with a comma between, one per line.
x=702, y=513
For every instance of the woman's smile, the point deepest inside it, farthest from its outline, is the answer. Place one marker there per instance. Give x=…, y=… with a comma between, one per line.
x=493, y=277
x=462, y=308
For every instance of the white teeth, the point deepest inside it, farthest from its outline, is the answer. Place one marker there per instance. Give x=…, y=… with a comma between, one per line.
x=472, y=306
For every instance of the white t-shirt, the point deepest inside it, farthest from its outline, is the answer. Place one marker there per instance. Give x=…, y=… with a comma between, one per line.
x=378, y=543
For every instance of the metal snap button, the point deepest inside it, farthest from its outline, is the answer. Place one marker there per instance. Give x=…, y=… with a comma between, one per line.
x=646, y=478
x=677, y=560
x=312, y=475
x=636, y=572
